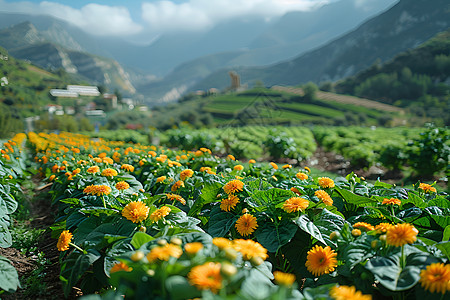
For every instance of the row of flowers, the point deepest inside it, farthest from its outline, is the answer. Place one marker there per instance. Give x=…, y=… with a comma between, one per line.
x=147, y=218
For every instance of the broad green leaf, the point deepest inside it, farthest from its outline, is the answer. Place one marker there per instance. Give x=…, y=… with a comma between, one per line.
x=5, y=235
x=256, y=286
x=357, y=200
x=446, y=235
x=221, y=222
x=9, y=280
x=445, y=248
x=269, y=197
x=318, y=293
x=114, y=252
x=140, y=238
x=354, y=252
x=8, y=204
x=273, y=236
x=179, y=288
x=305, y=224
x=208, y=195
x=70, y=200
x=97, y=211
x=414, y=199
x=327, y=222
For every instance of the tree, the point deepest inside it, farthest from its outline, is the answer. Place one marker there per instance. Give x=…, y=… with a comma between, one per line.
x=310, y=89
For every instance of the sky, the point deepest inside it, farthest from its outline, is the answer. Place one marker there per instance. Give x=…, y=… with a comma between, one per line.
x=155, y=17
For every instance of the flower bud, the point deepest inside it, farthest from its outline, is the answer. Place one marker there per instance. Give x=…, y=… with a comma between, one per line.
x=335, y=235
x=162, y=242
x=227, y=270
x=142, y=229
x=256, y=261
x=231, y=254
x=356, y=232
x=176, y=241
x=137, y=256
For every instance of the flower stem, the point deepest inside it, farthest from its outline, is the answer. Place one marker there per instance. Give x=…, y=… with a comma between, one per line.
x=402, y=258
x=78, y=248
x=104, y=203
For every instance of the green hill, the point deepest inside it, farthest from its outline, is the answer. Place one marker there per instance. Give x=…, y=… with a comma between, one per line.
x=261, y=106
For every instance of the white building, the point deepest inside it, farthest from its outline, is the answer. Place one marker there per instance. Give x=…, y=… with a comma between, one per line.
x=84, y=90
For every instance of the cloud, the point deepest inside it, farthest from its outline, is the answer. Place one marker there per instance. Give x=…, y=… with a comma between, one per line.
x=196, y=14
x=94, y=18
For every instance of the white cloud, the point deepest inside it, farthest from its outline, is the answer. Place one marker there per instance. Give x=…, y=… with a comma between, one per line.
x=93, y=18
x=196, y=14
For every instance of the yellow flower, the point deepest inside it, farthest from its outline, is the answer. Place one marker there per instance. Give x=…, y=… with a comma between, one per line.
x=177, y=185
x=120, y=267
x=383, y=227
x=98, y=190
x=363, y=226
x=231, y=157
x=135, y=211
x=427, y=188
x=163, y=253
x=238, y=167
x=174, y=197
x=233, y=186
x=246, y=224
x=252, y=161
x=108, y=172
x=249, y=249
x=221, y=243
x=206, y=277
x=344, y=292
x=391, y=201
x=159, y=213
x=436, y=278
x=307, y=169
x=64, y=239
x=401, y=234
x=287, y=167
x=324, y=197
x=127, y=167
x=161, y=179
x=326, y=182
x=295, y=204
x=93, y=169
x=356, y=232
x=122, y=185
x=285, y=279
x=186, y=174
x=301, y=176
x=193, y=248
x=321, y=260
x=274, y=165
x=229, y=203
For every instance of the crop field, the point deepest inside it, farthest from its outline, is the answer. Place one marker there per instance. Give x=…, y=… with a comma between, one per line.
x=146, y=222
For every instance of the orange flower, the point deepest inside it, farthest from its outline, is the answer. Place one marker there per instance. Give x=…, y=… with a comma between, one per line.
x=231, y=157
x=391, y=201
x=229, y=203
x=64, y=239
x=174, y=197
x=383, y=227
x=193, y=248
x=122, y=185
x=252, y=161
x=127, y=167
x=160, y=179
x=238, y=167
x=246, y=224
x=221, y=243
x=285, y=279
x=120, y=267
x=363, y=226
x=98, y=190
x=233, y=186
x=295, y=190
x=274, y=165
x=427, y=188
x=206, y=277
x=401, y=234
x=295, y=204
x=436, y=278
x=160, y=213
x=250, y=249
x=186, y=174
x=301, y=176
x=344, y=292
x=321, y=260
x=135, y=211
x=108, y=172
x=324, y=197
x=326, y=182
x=163, y=253
x=287, y=167
x=177, y=185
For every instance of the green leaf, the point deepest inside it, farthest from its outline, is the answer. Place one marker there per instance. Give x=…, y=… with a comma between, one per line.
x=140, y=238
x=388, y=272
x=208, y=195
x=8, y=204
x=74, y=201
x=318, y=293
x=75, y=266
x=220, y=222
x=97, y=211
x=305, y=224
x=327, y=222
x=256, y=286
x=271, y=197
x=357, y=200
x=179, y=288
x=446, y=235
x=273, y=236
x=9, y=280
x=5, y=235
x=414, y=199
x=445, y=248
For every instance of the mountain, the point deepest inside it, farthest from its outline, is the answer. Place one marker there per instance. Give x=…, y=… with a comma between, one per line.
x=25, y=41
x=404, y=26
x=242, y=45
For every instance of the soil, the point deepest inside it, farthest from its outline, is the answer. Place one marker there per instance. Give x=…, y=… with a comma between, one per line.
x=41, y=218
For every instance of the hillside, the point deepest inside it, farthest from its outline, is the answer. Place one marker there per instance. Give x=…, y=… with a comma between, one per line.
x=282, y=106
x=24, y=41
x=406, y=25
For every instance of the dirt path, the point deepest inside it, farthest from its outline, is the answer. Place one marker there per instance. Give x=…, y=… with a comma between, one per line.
x=341, y=99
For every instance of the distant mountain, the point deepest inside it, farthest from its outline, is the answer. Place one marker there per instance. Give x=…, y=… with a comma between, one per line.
x=55, y=48
x=406, y=25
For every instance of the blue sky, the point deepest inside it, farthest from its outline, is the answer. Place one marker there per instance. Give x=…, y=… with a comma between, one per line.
x=155, y=17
